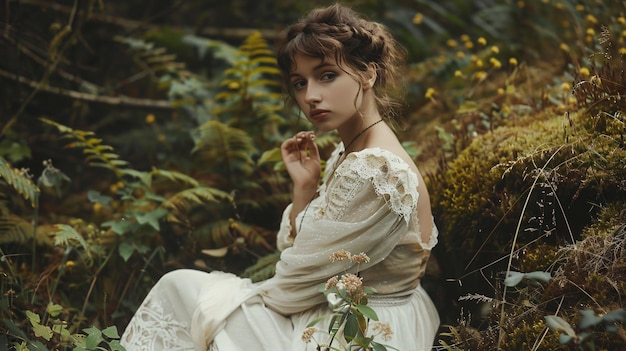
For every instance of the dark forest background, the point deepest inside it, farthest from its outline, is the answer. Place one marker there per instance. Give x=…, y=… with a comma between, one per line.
x=138, y=137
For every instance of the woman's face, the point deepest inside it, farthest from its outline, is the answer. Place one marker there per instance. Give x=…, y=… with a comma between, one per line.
x=325, y=92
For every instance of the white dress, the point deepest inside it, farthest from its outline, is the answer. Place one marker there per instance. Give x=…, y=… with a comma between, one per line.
x=369, y=206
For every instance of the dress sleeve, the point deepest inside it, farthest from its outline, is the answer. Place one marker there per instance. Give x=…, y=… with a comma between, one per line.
x=356, y=215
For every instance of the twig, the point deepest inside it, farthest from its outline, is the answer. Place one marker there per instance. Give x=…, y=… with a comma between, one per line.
x=131, y=25
x=109, y=100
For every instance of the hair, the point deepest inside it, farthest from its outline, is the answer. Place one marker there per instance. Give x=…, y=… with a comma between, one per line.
x=339, y=33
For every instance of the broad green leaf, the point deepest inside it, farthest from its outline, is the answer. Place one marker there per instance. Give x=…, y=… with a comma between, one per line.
x=95, y=196
x=352, y=328
x=513, y=278
x=588, y=319
x=559, y=324
x=367, y=312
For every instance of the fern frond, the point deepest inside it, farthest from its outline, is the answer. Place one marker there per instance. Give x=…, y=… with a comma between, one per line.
x=20, y=182
x=66, y=236
x=15, y=230
x=97, y=154
x=224, y=149
x=174, y=176
x=183, y=201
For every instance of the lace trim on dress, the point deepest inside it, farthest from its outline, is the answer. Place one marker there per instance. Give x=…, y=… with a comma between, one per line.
x=153, y=329
x=390, y=175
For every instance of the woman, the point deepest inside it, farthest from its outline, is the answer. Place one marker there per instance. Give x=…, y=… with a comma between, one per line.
x=338, y=68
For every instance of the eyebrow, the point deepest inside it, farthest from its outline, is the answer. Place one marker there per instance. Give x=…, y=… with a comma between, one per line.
x=320, y=66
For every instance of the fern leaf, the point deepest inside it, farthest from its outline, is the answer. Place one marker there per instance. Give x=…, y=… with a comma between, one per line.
x=183, y=201
x=67, y=236
x=224, y=148
x=14, y=229
x=175, y=176
x=97, y=154
x=21, y=183
x=264, y=269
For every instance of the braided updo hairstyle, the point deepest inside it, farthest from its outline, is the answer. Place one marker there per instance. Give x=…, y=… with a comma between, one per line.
x=339, y=33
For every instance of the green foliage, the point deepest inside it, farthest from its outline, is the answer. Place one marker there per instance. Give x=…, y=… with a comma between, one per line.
x=19, y=181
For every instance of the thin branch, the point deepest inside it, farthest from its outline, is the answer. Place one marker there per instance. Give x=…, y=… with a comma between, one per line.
x=132, y=25
x=121, y=100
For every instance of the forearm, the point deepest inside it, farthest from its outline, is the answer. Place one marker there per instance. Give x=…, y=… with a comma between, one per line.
x=301, y=197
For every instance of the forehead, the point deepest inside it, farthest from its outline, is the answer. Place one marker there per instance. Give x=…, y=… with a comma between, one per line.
x=304, y=63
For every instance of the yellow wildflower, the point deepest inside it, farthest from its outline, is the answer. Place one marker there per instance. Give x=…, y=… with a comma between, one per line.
x=70, y=264
x=418, y=18
x=120, y=184
x=97, y=207
x=480, y=75
x=590, y=31
x=495, y=49
x=580, y=7
x=624, y=33
x=460, y=54
x=591, y=19
x=482, y=41
x=572, y=100
x=500, y=91
x=584, y=71
x=621, y=19
x=468, y=44
x=161, y=138
x=150, y=118
x=113, y=188
x=233, y=85
x=565, y=86
x=506, y=109
x=595, y=80
x=465, y=37
x=430, y=93
x=479, y=63
x=495, y=62
x=458, y=73
x=451, y=43
x=622, y=51
x=474, y=58
x=564, y=47
x=559, y=5
x=513, y=61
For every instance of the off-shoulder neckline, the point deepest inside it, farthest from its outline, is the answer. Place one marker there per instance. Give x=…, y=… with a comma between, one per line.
x=369, y=150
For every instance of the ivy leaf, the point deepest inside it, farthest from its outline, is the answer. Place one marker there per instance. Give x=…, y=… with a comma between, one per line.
x=54, y=309
x=94, y=338
x=111, y=332
x=41, y=331
x=152, y=218
x=95, y=196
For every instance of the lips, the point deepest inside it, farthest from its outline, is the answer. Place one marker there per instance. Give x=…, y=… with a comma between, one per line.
x=318, y=113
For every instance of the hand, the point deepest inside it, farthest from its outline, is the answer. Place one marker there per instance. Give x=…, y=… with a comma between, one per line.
x=302, y=160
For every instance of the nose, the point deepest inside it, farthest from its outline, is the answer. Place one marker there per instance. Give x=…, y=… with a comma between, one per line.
x=313, y=94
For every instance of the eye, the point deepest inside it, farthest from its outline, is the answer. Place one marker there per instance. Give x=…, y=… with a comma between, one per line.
x=329, y=76
x=298, y=84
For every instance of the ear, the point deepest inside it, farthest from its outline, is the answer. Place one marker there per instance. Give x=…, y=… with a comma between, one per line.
x=370, y=77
